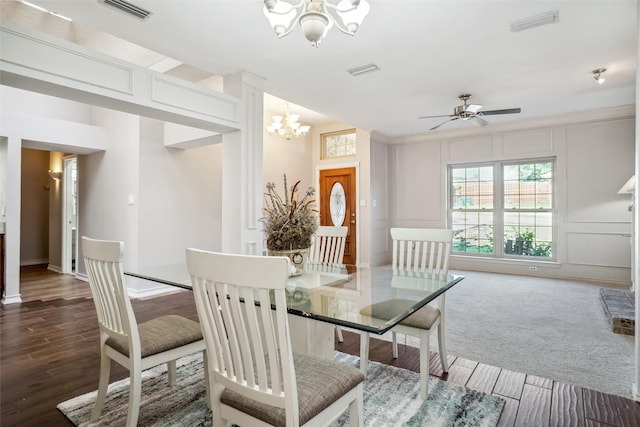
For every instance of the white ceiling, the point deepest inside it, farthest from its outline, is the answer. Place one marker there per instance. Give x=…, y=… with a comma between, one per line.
x=428, y=52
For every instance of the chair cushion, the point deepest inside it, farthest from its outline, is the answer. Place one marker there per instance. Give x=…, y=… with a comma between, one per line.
x=161, y=334
x=320, y=382
x=421, y=319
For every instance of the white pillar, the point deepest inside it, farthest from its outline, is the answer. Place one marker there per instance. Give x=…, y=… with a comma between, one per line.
x=242, y=169
x=12, y=236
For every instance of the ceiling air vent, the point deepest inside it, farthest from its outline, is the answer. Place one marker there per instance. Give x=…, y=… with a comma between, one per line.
x=128, y=8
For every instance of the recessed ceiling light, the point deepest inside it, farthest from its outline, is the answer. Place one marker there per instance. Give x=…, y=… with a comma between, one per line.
x=363, y=69
x=551, y=17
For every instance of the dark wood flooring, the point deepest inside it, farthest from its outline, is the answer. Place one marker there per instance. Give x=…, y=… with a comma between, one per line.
x=49, y=353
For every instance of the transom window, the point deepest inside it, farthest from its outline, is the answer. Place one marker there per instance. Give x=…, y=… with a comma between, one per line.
x=338, y=144
x=503, y=209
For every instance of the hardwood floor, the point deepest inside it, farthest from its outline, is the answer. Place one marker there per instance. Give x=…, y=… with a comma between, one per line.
x=49, y=353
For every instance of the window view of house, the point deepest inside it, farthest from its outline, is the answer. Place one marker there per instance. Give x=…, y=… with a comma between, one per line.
x=503, y=209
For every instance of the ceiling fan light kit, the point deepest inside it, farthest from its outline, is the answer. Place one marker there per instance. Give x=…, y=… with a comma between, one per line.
x=470, y=112
x=315, y=17
x=597, y=75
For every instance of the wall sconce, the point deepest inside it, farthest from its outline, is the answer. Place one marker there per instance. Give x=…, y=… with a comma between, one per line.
x=55, y=175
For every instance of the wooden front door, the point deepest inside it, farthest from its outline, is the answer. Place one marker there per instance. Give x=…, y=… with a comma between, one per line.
x=338, y=205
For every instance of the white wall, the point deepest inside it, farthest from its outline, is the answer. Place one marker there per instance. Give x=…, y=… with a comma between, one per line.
x=105, y=181
x=380, y=207
x=593, y=160
x=179, y=200
x=292, y=158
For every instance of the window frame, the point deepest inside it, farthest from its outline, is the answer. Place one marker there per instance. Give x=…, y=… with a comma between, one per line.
x=325, y=136
x=498, y=211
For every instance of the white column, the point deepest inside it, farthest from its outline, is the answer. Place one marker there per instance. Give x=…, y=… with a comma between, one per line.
x=12, y=236
x=242, y=169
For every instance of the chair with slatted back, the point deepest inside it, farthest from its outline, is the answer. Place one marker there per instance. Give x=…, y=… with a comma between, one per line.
x=136, y=347
x=327, y=247
x=415, y=250
x=255, y=378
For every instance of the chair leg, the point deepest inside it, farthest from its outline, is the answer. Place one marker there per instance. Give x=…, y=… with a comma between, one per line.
x=216, y=406
x=135, y=388
x=442, y=347
x=103, y=384
x=394, y=340
x=171, y=372
x=207, y=385
x=424, y=364
x=442, y=343
x=364, y=352
x=356, y=409
x=339, y=333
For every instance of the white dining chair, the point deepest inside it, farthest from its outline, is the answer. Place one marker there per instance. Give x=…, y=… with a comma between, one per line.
x=422, y=251
x=327, y=247
x=255, y=378
x=137, y=347
x=327, y=244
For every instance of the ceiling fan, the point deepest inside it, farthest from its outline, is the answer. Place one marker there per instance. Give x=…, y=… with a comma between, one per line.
x=470, y=112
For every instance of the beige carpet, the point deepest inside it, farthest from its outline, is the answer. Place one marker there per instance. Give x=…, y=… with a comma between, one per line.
x=551, y=328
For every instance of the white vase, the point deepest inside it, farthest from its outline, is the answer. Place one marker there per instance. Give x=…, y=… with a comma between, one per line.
x=298, y=257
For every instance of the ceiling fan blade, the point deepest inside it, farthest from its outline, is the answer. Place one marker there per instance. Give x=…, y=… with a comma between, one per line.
x=506, y=111
x=473, y=108
x=433, y=117
x=446, y=121
x=479, y=121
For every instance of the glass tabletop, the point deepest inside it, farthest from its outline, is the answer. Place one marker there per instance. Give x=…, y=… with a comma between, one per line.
x=340, y=294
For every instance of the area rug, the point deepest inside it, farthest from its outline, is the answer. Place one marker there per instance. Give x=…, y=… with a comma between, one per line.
x=390, y=394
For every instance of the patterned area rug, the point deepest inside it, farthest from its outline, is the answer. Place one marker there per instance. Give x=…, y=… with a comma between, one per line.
x=390, y=394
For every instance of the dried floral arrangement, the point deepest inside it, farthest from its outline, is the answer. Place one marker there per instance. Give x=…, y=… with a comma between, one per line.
x=289, y=223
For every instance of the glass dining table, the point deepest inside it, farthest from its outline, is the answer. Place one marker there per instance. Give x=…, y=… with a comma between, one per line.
x=322, y=296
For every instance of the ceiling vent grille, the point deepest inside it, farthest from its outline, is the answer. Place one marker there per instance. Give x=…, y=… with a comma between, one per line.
x=128, y=8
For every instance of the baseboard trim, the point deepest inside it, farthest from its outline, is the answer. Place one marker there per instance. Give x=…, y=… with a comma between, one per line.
x=12, y=299
x=55, y=268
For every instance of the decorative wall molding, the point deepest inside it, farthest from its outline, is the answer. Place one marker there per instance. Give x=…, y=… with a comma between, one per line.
x=38, y=62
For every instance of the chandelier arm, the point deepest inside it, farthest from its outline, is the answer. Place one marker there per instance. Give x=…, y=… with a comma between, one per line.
x=331, y=9
x=299, y=8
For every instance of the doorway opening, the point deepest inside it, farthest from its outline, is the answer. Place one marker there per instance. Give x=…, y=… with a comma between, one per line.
x=70, y=215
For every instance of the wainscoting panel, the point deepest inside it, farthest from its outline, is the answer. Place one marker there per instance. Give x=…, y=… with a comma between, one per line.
x=419, y=183
x=599, y=160
x=527, y=143
x=600, y=249
x=471, y=149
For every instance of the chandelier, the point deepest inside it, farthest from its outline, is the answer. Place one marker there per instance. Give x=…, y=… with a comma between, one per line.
x=287, y=126
x=316, y=17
